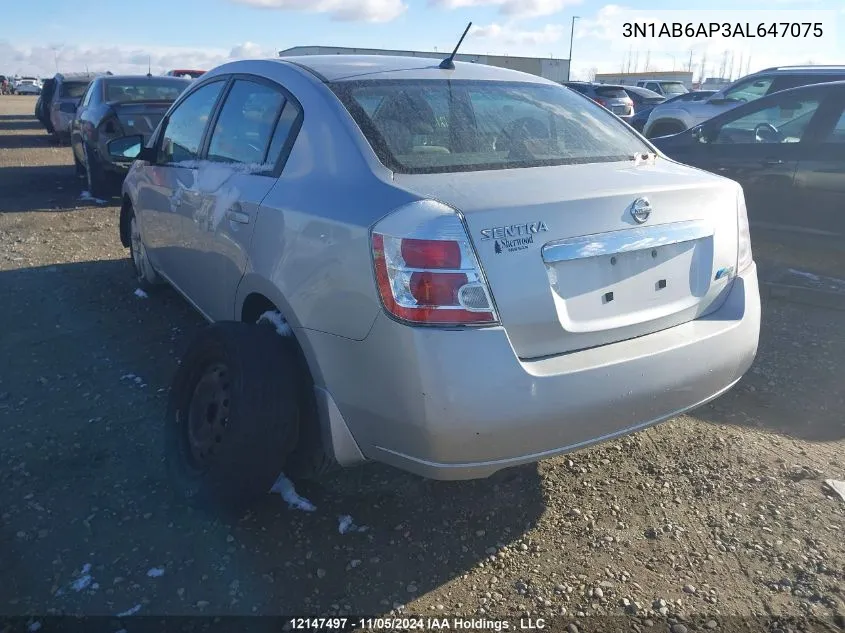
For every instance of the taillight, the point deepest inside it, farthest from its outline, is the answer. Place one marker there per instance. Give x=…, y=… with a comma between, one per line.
x=426, y=269
x=600, y=101
x=744, y=256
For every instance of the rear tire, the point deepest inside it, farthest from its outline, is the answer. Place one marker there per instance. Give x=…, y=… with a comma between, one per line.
x=95, y=178
x=233, y=416
x=145, y=275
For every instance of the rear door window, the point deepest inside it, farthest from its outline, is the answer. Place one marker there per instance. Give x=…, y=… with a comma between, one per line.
x=750, y=90
x=244, y=129
x=785, y=82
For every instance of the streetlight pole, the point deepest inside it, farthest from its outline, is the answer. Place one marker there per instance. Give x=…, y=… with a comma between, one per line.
x=571, y=37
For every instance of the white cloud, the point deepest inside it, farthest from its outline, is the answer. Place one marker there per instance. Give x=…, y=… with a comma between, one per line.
x=510, y=35
x=41, y=60
x=514, y=8
x=345, y=10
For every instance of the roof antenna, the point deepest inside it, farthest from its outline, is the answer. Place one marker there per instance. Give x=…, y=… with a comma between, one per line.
x=149, y=65
x=448, y=63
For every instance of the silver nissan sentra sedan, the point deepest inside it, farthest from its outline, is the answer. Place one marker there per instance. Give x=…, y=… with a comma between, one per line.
x=470, y=269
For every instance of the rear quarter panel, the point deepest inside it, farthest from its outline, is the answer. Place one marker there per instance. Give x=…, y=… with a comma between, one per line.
x=310, y=253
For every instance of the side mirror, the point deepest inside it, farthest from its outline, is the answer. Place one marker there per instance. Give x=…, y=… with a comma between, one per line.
x=68, y=108
x=127, y=148
x=700, y=134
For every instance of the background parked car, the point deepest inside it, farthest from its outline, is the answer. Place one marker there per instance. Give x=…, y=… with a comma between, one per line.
x=192, y=74
x=28, y=86
x=787, y=150
x=664, y=88
x=644, y=100
x=42, y=105
x=642, y=113
x=612, y=97
x=115, y=106
x=671, y=118
x=67, y=92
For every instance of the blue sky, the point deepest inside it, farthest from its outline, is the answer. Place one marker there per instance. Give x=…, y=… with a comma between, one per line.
x=203, y=33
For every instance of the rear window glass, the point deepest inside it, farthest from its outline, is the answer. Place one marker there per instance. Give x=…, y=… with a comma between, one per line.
x=446, y=126
x=162, y=89
x=611, y=93
x=674, y=88
x=74, y=89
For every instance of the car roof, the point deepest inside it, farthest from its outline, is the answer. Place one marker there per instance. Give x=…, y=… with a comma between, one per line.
x=144, y=77
x=802, y=70
x=345, y=67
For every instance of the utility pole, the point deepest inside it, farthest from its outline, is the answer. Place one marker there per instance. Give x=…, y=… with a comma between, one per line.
x=689, y=66
x=647, y=60
x=571, y=38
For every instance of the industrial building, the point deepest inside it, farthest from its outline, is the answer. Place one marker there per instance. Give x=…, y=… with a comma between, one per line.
x=548, y=67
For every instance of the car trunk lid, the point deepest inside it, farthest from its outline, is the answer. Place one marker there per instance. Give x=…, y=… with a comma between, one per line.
x=568, y=265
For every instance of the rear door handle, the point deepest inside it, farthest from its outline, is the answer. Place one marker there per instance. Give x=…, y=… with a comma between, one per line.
x=768, y=162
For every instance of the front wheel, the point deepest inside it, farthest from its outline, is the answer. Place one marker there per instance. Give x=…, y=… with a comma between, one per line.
x=233, y=415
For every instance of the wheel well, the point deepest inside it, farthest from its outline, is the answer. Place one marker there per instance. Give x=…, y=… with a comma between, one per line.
x=671, y=123
x=125, y=211
x=310, y=436
x=254, y=306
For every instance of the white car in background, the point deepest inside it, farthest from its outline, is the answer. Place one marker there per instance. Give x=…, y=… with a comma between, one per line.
x=28, y=86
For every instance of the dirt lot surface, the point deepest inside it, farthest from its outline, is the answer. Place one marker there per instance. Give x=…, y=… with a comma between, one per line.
x=719, y=513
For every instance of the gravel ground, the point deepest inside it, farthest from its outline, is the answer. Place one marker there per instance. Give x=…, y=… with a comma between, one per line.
x=719, y=513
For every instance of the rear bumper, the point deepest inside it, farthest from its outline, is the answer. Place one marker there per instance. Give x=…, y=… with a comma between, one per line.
x=460, y=405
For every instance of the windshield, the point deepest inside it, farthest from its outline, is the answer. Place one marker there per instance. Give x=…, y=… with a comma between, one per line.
x=144, y=89
x=674, y=88
x=446, y=126
x=74, y=89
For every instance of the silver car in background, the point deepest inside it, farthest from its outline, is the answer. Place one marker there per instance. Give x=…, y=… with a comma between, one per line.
x=471, y=269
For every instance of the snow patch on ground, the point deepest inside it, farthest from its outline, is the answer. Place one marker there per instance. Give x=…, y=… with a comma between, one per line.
x=140, y=293
x=86, y=196
x=156, y=572
x=282, y=327
x=284, y=487
x=129, y=612
x=345, y=524
x=84, y=580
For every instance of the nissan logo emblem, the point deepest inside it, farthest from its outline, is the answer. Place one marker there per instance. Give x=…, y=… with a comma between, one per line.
x=641, y=210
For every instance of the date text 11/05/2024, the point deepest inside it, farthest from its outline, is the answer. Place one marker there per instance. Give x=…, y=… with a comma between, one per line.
x=411, y=623
x=723, y=29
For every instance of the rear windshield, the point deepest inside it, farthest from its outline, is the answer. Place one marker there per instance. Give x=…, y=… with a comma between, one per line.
x=74, y=89
x=144, y=89
x=433, y=126
x=674, y=87
x=611, y=93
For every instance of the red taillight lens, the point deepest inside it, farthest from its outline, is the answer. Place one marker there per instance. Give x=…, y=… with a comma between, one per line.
x=431, y=253
x=600, y=101
x=414, y=287
x=437, y=289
